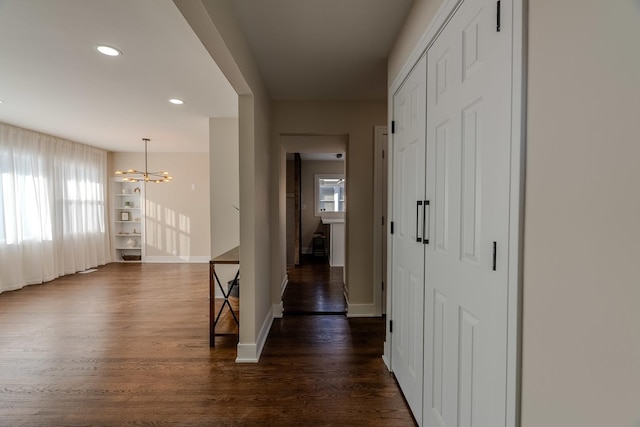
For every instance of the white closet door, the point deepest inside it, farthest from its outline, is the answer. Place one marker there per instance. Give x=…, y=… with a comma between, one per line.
x=468, y=153
x=408, y=251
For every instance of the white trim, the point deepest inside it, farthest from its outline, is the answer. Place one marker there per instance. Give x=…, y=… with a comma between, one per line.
x=378, y=182
x=385, y=359
x=359, y=310
x=250, y=353
x=177, y=259
x=278, y=310
x=247, y=353
x=516, y=208
x=386, y=356
x=283, y=285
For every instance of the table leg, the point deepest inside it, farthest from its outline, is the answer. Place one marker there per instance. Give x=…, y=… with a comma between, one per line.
x=212, y=305
x=213, y=280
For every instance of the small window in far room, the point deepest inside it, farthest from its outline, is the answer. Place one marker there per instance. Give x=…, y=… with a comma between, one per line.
x=329, y=194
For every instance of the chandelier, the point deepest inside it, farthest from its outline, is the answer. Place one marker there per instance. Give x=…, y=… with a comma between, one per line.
x=133, y=175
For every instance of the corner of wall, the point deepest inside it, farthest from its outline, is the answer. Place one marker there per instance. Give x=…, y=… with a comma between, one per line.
x=250, y=352
x=360, y=310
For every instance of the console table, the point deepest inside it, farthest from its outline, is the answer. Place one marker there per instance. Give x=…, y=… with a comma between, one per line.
x=230, y=257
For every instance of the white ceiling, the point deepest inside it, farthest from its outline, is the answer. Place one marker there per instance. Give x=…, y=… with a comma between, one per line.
x=323, y=49
x=53, y=81
x=324, y=157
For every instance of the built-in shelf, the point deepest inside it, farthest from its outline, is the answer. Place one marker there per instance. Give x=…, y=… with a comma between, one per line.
x=123, y=231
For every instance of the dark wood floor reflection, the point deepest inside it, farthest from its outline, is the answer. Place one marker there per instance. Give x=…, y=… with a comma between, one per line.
x=314, y=288
x=128, y=345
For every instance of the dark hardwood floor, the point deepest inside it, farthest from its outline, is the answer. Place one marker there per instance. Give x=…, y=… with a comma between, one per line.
x=128, y=346
x=314, y=288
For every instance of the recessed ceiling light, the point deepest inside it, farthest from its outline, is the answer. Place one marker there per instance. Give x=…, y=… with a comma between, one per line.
x=176, y=101
x=108, y=50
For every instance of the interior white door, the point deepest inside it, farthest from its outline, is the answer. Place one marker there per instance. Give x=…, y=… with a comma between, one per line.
x=408, y=251
x=468, y=153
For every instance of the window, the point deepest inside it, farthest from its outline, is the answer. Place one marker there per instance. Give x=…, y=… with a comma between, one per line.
x=329, y=194
x=52, y=207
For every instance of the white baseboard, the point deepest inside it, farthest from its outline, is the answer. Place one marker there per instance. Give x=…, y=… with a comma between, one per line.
x=250, y=353
x=358, y=310
x=278, y=310
x=385, y=357
x=247, y=353
x=283, y=286
x=176, y=259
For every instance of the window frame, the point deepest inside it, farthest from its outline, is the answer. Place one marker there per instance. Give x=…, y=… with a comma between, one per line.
x=316, y=198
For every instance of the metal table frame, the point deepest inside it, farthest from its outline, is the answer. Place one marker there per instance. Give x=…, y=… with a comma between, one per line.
x=230, y=257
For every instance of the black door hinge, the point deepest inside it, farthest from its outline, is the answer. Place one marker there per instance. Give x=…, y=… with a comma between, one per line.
x=495, y=254
x=383, y=154
x=383, y=220
x=498, y=17
x=391, y=227
x=382, y=283
x=393, y=126
x=390, y=326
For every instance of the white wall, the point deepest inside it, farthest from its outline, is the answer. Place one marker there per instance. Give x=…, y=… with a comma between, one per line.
x=581, y=284
x=225, y=191
x=216, y=25
x=581, y=337
x=177, y=226
x=418, y=18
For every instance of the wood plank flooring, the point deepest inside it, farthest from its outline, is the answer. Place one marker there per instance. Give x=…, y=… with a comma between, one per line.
x=128, y=346
x=314, y=288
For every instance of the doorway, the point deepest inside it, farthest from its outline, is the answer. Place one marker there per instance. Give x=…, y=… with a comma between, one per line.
x=315, y=277
x=316, y=189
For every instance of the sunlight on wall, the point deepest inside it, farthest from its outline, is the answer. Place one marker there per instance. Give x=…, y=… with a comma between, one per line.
x=185, y=231
x=167, y=231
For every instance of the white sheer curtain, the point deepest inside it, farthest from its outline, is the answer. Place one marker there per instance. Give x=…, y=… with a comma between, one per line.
x=52, y=207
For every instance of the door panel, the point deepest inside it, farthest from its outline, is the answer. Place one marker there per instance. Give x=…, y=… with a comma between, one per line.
x=467, y=152
x=408, y=252
x=471, y=175
x=442, y=187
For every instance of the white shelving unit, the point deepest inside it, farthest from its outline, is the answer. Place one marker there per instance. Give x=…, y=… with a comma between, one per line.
x=128, y=221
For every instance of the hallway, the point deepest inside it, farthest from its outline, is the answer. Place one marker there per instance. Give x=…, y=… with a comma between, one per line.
x=128, y=345
x=314, y=288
